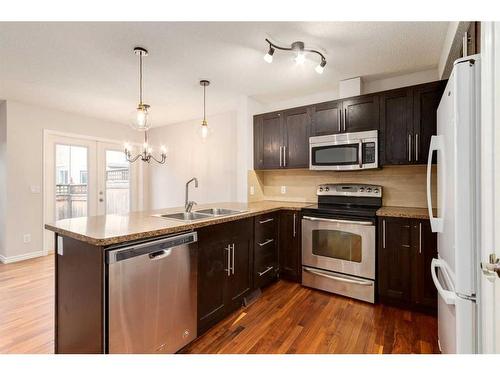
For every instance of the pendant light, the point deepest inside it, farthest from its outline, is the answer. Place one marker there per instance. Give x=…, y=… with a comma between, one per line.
x=141, y=120
x=141, y=116
x=204, y=130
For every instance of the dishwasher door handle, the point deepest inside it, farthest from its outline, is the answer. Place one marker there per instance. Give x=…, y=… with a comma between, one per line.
x=160, y=254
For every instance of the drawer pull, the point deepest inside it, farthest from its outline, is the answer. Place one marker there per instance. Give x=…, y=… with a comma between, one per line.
x=266, y=271
x=266, y=242
x=266, y=221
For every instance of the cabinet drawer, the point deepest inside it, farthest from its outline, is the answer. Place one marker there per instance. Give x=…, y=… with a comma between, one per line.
x=265, y=271
x=266, y=227
x=269, y=249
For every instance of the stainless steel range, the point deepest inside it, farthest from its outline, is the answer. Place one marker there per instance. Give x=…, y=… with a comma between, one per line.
x=338, y=240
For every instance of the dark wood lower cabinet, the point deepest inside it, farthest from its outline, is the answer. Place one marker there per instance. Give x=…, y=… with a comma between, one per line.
x=405, y=250
x=225, y=255
x=265, y=267
x=289, y=246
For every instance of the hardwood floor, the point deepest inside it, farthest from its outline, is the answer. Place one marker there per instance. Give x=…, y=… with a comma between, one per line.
x=27, y=306
x=287, y=318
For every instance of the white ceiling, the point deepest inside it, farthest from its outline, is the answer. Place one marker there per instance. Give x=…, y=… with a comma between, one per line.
x=89, y=68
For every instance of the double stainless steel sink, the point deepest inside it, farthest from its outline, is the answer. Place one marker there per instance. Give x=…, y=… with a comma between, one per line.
x=200, y=214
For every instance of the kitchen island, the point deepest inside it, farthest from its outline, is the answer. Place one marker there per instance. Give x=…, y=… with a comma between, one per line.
x=248, y=240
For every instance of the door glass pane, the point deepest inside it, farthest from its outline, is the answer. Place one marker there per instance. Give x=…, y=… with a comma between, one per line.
x=335, y=155
x=337, y=244
x=71, y=181
x=117, y=183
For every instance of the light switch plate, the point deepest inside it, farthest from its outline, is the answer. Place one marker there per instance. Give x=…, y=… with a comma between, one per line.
x=252, y=190
x=283, y=190
x=35, y=189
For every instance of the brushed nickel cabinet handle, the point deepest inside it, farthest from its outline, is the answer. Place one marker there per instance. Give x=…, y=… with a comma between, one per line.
x=383, y=233
x=409, y=147
x=345, y=117
x=266, y=221
x=284, y=156
x=232, y=266
x=294, y=225
x=228, y=269
x=417, y=145
x=281, y=157
x=339, y=119
x=266, y=242
x=266, y=271
x=420, y=238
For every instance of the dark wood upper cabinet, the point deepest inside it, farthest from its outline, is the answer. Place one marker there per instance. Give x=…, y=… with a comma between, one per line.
x=426, y=100
x=289, y=246
x=395, y=126
x=405, y=251
x=361, y=113
x=326, y=118
x=272, y=140
x=296, y=133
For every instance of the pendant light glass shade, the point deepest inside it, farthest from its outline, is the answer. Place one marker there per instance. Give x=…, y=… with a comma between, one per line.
x=140, y=119
x=204, y=131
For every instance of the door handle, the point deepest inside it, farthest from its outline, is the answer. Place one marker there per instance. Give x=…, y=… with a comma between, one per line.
x=265, y=221
x=417, y=145
x=266, y=271
x=345, y=117
x=228, y=269
x=339, y=120
x=266, y=242
x=160, y=254
x=409, y=147
x=284, y=156
x=232, y=265
x=360, y=154
x=338, y=221
x=338, y=278
x=437, y=144
x=294, y=224
x=493, y=266
x=420, y=238
x=447, y=295
x=383, y=233
x=281, y=157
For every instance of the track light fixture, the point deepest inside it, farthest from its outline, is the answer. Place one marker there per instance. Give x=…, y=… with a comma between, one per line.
x=300, y=51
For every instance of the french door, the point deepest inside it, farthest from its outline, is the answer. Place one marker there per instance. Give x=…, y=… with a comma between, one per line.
x=86, y=177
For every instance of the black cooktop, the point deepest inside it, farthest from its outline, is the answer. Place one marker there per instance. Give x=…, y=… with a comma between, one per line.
x=341, y=210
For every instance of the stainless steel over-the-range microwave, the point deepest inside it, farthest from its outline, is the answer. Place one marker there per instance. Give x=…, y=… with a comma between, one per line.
x=345, y=151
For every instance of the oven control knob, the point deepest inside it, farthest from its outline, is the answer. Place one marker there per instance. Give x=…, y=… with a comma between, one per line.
x=375, y=191
x=327, y=188
x=361, y=189
x=320, y=189
x=368, y=190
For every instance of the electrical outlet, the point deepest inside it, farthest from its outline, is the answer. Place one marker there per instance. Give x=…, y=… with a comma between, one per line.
x=283, y=189
x=27, y=238
x=252, y=190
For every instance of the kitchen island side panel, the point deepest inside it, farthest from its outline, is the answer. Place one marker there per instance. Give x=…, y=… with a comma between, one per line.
x=79, y=302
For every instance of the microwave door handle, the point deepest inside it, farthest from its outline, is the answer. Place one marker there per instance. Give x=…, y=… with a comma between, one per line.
x=360, y=154
x=337, y=221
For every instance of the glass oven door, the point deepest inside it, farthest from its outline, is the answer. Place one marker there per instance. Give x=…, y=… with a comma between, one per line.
x=346, y=246
x=344, y=156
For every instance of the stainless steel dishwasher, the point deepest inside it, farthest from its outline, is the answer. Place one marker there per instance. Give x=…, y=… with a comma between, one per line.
x=152, y=295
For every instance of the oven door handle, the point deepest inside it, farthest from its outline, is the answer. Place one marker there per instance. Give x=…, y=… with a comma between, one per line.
x=338, y=221
x=337, y=278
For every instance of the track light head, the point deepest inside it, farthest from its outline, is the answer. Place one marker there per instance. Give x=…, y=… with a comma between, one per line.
x=269, y=55
x=321, y=67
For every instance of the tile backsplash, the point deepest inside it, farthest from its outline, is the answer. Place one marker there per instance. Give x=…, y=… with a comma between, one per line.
x=402, y=185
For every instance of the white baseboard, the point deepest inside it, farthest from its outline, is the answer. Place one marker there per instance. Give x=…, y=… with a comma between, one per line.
x=18, y=258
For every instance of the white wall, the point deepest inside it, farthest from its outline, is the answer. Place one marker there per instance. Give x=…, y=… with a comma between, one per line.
x=3, y=184
x=24, y=166
x=368, y=86
x=213, y=162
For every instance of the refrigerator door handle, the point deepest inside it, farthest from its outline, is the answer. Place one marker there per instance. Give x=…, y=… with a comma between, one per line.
x=436, y=145
x=448, y=296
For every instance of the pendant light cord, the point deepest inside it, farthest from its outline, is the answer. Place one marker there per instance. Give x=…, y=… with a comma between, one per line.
x=140, y=78
x=204, y=104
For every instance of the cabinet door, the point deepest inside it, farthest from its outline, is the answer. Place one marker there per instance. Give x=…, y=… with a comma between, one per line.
x=394, y=261
x=361, y=113
x=239, y=282
x=424, y=292
x=289, y=246
x=326, y=118
x=395, y=126
x=272, y=140
x=258, y=142
x=426, y=100
x=212, y=266
x=296, y=130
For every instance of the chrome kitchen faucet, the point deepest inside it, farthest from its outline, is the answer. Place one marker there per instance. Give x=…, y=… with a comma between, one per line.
x=188, y=205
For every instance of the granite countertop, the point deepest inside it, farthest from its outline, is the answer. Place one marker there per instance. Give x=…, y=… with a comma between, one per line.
x=406, y=212
x=113, y=229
